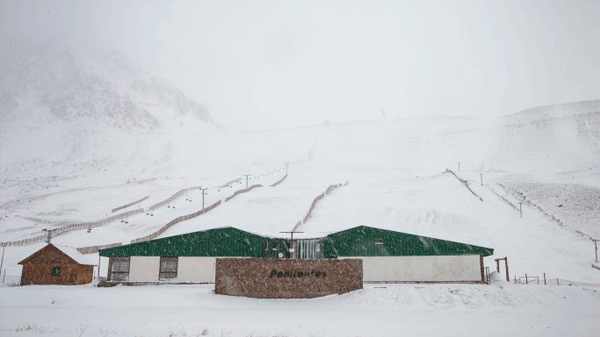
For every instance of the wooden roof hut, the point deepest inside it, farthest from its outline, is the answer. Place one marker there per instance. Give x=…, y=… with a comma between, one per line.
x=57, y=265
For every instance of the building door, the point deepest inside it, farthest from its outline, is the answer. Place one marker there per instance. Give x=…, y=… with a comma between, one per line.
x=310, y=248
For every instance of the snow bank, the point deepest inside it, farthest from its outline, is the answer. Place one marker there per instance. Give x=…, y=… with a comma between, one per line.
x=450, y=310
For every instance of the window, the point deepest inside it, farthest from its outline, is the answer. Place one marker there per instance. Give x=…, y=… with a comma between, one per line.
x=168, y=267
x=378, y=241
x=55, y=271
x=119, y=269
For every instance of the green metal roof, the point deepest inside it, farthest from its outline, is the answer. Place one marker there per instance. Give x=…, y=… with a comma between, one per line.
x=369, y=241
x=357, y=241
x=227, y=241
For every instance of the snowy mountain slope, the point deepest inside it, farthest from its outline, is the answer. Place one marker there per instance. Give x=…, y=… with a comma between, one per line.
x=61, y=209
x=76, y=105
x=104, y=88
x=575, y=206
x=268, y=210
x=562, y=139
x=394, y=169
x=439, y=206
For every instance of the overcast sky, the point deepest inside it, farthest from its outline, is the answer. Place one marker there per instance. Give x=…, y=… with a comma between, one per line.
x=271, y=64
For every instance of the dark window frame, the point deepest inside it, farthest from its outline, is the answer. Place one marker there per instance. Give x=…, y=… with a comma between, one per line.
x=168, y=267
x=119, y=268
x=55, y=271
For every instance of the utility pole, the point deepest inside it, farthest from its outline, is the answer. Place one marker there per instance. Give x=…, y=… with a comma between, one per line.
x=49, y=235
x=2, y=261
x=521, y=208
x=246, y=175
x=595, y=245
x=203, y=193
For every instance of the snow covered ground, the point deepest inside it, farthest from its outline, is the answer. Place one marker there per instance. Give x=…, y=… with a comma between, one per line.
x=546, y=158
x=378, y=310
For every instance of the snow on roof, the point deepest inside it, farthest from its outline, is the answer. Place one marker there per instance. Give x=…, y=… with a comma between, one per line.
x=73, y=253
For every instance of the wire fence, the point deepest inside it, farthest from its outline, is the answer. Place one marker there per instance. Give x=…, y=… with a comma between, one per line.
x=93, y=224
x=508, y=202
x=195, y=214
x=520, y=196
x=95, y=249
x=464, y=182
x=176, y=221
x=58, y=231
x=314, y=203
x=242, y=191
x=279, y=181
x=169, y=199
x=537, y=280
x=129, y=204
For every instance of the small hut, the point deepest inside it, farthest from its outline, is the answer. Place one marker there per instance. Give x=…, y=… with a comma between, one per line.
x=57, y=265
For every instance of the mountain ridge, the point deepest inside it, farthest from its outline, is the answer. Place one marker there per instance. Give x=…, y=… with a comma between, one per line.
x=103, y=87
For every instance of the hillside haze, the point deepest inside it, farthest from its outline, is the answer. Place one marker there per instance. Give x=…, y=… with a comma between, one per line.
x=72, y=105
x=79, y=84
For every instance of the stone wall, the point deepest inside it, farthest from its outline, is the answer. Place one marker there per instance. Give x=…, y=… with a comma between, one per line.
x=287, y=278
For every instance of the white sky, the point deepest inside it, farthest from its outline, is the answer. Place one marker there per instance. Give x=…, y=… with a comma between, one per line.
x=272, y=64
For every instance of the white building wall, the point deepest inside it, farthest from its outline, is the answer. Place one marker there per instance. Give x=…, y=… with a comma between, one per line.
x=196, y=269
x=461, y=268
x=144, y=268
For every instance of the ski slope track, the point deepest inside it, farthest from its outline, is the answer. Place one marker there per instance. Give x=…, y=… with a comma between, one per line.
x=72, y=157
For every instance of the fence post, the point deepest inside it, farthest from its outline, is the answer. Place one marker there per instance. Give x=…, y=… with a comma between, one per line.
x=2, y=261
x=526, y=280
x=544, y=278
